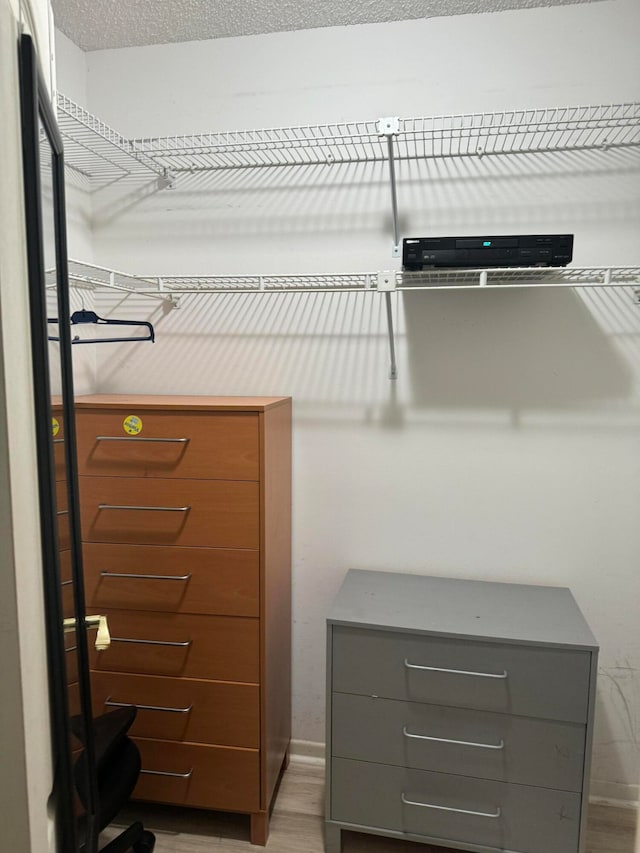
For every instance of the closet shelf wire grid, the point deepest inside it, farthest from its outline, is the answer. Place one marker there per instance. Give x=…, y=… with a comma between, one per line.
x=96, y=151
x=102, y=278
x=99, y=152
x=509, y=132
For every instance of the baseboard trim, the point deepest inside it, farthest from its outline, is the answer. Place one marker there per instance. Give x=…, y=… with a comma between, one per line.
x=307, y=752
x=614, y=794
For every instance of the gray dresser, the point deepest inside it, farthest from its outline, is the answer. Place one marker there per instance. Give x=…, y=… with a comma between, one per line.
x=459, y=713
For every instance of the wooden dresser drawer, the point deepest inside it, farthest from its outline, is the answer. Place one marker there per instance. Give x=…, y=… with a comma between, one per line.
x=183, y=709
x=196, y=445
x=201, y=513
x=187, y=774
x=221, y=648
x=439, y=806
x=467, y=742
x=526, y=680
x=176, y=580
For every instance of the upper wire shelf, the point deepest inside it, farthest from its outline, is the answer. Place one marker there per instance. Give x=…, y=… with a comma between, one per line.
x=98, y=151
x=520, y=131
x=507, y=132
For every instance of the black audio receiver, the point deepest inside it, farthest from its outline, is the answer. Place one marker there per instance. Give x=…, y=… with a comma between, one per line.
x=525, y=250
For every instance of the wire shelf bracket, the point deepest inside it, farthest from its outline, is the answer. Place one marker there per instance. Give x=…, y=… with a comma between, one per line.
x=389, y=127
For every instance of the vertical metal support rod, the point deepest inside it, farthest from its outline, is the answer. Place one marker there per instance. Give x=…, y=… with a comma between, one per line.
x=393, y=370
x=394, y=196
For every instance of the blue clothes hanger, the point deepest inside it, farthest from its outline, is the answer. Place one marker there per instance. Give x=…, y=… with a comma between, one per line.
x=81, y=317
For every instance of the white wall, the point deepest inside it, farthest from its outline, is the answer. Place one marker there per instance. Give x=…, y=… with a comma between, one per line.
x=25, y=748
x=71, y=69
x=71, y=74
x=508, y=448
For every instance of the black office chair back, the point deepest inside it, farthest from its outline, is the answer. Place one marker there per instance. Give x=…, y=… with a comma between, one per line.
x=117, y=767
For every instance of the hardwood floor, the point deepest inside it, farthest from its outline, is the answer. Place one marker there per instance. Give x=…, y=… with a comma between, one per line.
x=297, y=825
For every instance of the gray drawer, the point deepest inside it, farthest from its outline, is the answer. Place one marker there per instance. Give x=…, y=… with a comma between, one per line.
x=508, y=817
x=527, y=680
x=506, y=748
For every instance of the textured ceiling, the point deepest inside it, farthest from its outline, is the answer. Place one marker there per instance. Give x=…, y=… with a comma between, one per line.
x=100, y=24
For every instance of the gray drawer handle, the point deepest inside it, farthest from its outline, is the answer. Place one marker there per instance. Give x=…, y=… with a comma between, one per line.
x=146, y=577
x=501, y=675
x=58, y=440
x=409, y=734
x=108, y=701
x=151, y=642
x=136, y=439
x=497, y=813
x=147, y=508
x=167, y=773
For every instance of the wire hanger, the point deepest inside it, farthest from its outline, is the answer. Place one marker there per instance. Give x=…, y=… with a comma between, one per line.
x=82, y=317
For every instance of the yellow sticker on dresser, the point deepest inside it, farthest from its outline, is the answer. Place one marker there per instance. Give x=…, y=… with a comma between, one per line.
x=132, y=425
x=55, y=426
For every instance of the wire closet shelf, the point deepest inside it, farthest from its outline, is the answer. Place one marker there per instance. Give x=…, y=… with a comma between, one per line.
x=95, y=277
x=101, y=153
x=507, y=132
x=97, y=152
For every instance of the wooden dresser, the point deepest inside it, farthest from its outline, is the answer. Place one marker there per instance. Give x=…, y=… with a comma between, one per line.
x=460, y=713
x=186, y=527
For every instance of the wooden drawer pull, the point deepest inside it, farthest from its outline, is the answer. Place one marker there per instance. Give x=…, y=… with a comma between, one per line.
x=147, y=508
x=409, y=734
x=151, y=642
x=108, y=701
x=146, y=577
x=497, y=813
x=501, y=675
x=167, y=773
x=136, y=439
